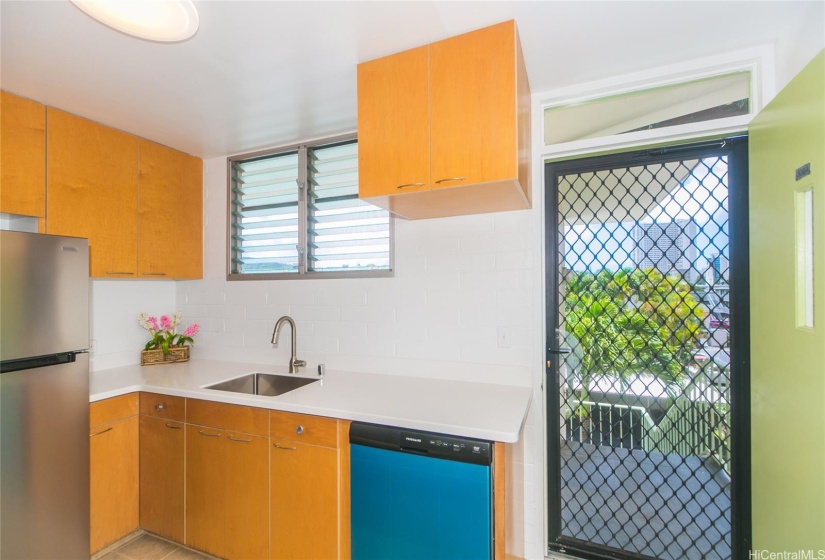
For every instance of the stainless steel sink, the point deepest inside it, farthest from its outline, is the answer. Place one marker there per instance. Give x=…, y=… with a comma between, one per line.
x=266, y=384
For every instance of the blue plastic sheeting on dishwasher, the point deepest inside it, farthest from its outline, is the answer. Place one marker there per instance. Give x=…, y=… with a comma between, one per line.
x=414, y=507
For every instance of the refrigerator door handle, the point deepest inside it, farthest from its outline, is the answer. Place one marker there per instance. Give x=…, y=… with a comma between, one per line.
x=11, y=366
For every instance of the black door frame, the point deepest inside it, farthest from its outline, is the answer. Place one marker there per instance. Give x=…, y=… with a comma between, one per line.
x=736, y=149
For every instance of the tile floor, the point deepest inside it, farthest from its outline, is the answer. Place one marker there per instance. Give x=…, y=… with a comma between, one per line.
x=150, y=547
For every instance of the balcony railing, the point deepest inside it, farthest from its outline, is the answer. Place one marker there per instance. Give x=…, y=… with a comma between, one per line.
x=696, y=423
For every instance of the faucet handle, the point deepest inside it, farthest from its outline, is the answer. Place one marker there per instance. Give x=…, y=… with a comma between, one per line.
x=299, y=363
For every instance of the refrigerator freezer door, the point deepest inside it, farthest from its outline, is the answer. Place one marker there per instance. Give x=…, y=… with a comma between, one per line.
x=44, y=301
x=44, y=472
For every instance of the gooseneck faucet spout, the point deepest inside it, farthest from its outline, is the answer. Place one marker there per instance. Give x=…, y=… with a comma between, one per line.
x=294, y=363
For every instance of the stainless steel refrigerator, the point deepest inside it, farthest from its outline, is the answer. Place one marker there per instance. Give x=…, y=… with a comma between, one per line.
x=44, y=396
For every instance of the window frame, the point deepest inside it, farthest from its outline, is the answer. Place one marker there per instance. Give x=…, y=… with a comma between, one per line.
x=303, y=272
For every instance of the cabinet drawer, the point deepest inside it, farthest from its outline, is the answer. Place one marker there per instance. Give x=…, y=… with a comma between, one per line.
x=246, y=419
x=163, y=406
x=116, y=408
x=304, y=428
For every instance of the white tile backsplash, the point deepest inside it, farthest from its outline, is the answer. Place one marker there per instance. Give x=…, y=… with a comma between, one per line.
x=457, y=280
x=115, y=305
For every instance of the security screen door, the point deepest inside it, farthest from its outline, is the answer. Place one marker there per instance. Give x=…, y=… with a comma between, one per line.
x=647, y=379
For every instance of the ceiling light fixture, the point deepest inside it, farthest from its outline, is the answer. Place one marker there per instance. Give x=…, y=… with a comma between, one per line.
x=164, y=21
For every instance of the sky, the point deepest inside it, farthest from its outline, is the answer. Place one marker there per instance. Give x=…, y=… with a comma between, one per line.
x=702, y=196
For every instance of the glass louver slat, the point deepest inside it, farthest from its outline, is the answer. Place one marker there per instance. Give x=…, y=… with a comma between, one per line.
x=342, y=232
x=345, y=233
x=265, y=216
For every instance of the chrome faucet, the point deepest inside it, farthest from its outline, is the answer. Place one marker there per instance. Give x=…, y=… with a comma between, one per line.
x=294, y=363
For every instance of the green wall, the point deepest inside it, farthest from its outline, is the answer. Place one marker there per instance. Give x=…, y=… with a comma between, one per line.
x=787, y=362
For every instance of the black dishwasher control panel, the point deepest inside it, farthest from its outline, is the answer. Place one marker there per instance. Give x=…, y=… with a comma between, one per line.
x=439, y=446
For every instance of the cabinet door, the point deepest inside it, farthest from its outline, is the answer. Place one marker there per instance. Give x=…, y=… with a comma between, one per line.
x=161, y=477
x=92, y=191
x=205, y=490
x=473, y=107
x=22, y=156
x=113, y=450
x=170, y=210
x=247, y=500
x=393, y=124
x=304, y=486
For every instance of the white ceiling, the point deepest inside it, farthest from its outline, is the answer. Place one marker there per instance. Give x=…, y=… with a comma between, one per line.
x=261, y=74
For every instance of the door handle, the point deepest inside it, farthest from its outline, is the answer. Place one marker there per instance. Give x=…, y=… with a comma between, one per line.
x=109, y=429
x=284, y=448
x=173, y=427
x=230, y=438
x=201, y=432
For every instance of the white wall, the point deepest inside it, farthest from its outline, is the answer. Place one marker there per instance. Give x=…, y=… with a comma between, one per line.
x=458, y=307
x=800, y=43
x=115, y=335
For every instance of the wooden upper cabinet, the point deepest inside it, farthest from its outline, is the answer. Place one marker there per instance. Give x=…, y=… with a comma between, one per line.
x=473, y=107
x=478, y=120
x=393, y=124
x=170, y=213
x=92, y=191
x=22, y=156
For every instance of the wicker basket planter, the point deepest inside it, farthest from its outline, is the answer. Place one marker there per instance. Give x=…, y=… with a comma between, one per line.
x=176, y=354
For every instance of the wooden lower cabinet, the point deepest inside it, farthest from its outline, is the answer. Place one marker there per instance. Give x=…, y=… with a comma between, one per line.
x=206, y=490
x=227, y=503
x=304, y=497
x=281, y=493
x=113, y=450
x=161, y=477
x=247, y=500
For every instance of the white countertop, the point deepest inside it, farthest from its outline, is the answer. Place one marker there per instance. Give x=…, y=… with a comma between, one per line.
x=480, y=410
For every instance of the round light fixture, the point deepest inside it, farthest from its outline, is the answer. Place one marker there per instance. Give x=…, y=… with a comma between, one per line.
x=165, y=21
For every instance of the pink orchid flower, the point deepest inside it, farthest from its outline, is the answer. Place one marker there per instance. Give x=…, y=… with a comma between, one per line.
x=191, y=330
x=166, y=322
x=153, y=321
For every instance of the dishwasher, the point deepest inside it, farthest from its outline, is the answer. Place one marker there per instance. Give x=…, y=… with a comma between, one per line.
x=419, y=495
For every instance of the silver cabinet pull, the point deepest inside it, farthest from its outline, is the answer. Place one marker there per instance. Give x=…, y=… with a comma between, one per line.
x=230, y=438
x=278, y=446
x=129, y=273
x=160, y=406
x=109, y=429
x=299, y=430
x=201, y=432
x=154, y=274
x=451, y=179
x=173, y=427
x=410, y=185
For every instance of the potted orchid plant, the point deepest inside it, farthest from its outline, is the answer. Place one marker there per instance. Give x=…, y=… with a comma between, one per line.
x=166, y=344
